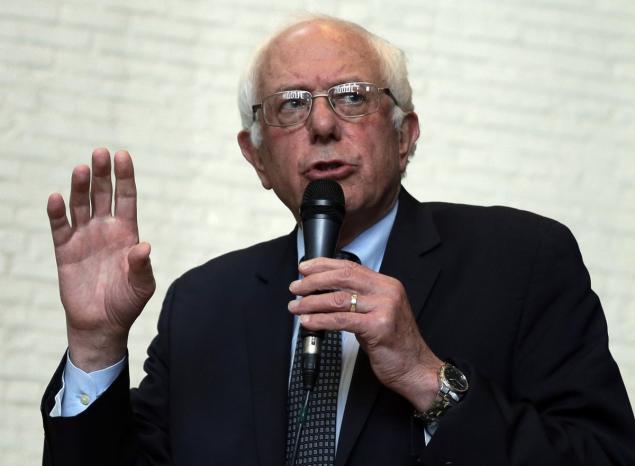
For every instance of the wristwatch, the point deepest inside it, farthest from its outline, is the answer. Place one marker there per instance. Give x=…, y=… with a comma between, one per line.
x=452, y=387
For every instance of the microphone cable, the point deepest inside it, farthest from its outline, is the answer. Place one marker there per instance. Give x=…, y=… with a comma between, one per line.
x=302, y=417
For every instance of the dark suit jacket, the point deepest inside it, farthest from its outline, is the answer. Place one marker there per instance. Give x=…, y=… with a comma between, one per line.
x=503, y=293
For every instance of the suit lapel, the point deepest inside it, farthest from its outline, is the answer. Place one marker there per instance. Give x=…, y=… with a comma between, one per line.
x=412, y=236
x=268, y=329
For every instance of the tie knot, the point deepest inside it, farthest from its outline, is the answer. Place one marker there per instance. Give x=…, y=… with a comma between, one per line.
x=349, y=256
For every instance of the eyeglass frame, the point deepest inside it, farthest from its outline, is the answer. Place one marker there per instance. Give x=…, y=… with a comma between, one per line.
x=380, y=90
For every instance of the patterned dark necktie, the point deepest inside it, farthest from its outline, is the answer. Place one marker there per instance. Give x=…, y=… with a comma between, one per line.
x=317, y=441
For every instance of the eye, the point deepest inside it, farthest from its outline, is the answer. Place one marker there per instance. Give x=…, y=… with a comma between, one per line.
x=351, y=98
x=292, y=105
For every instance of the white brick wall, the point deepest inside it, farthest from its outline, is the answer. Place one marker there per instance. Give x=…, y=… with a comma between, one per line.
x=530, y=104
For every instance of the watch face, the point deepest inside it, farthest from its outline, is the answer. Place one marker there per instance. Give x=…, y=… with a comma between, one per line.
x=455, y=379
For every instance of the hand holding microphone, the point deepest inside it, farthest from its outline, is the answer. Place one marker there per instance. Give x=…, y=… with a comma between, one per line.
x=383, y=322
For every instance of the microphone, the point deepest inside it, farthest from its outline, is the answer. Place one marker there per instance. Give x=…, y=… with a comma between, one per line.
x=322, y=212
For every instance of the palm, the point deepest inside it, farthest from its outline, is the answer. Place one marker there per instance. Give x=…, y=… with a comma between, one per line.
x=93, y=275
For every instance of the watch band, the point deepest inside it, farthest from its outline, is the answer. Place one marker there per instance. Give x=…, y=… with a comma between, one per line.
x=452, y=386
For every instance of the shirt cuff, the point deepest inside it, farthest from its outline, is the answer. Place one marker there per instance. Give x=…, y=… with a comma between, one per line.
x=80, y=389
x=429, y=430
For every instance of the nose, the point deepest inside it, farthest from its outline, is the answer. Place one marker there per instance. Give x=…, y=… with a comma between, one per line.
x=323, y=124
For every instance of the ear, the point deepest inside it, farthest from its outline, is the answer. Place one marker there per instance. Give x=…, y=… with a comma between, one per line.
x=408, y=135
x=253, y=156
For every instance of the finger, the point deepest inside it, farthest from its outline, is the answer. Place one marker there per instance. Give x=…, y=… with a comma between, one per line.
x=60, y=228
x=336, y=301
x=79, y=203
x=101, y=185
x=349, y=276
x=323, y=264
x=336, y=321
x=140, y=269
x=125, y=188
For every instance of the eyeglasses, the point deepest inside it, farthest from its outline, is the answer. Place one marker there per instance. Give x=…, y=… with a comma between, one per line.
x=348, y=100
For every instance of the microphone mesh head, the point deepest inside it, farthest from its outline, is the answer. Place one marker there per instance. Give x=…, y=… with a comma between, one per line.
x=323, y=197
x=328, y=190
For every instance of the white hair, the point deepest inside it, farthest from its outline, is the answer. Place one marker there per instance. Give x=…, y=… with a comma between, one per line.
x=393, y=70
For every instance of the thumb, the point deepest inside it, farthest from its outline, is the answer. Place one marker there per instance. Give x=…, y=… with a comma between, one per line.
x=140, y=269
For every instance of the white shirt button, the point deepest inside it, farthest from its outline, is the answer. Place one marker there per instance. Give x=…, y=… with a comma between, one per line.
x=84, y=399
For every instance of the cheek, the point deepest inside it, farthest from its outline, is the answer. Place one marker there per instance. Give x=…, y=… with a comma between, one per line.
x=278, y=160
x=380, y=155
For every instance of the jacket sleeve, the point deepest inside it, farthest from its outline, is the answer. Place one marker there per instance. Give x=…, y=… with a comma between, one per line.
x=122, y=427
x=568, y=405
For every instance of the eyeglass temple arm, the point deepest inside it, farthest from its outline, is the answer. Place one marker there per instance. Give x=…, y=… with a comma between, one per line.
x=254, y=109
x=387, y=91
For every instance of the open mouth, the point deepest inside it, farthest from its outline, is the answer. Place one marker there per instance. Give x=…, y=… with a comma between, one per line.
x=334, y=169
x=327, y=166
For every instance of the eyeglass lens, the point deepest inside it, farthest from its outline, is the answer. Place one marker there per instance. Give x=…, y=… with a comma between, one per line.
x=348, y=100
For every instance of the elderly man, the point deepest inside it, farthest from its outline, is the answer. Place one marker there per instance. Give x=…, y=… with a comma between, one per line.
x=469, y=336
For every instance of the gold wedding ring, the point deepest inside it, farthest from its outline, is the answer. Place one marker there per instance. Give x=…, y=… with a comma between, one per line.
x=353, y=303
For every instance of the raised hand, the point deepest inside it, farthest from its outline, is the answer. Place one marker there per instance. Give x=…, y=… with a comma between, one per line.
x=382, y=322
x=105, y=276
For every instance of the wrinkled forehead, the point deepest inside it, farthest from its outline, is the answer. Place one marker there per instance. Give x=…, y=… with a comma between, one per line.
x=316, y=55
